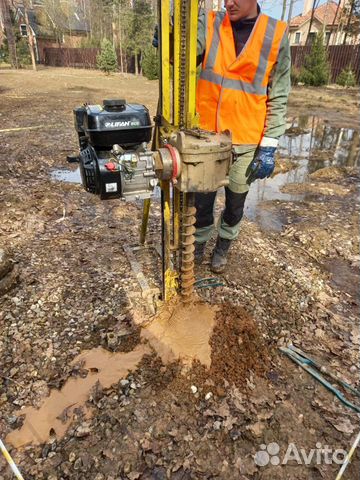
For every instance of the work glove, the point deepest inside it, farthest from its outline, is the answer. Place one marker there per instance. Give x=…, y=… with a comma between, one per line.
x=155, y=41
x=263, y=164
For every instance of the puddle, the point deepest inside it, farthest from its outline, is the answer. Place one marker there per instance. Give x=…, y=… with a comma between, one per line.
x=178, y=332
x=311, y=144
x=58, y=410
x=343, y=277
x=67, y=176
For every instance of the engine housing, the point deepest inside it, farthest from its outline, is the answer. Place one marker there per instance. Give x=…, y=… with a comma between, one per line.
x=126, y=171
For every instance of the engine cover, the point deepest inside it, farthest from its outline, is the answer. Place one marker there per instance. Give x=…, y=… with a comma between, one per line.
x=115, y=122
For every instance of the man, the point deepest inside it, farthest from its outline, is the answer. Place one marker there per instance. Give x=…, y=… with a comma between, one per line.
x=243, y=87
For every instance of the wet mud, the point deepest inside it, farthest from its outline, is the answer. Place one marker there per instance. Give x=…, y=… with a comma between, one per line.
x=58, y=411
x=182, y=331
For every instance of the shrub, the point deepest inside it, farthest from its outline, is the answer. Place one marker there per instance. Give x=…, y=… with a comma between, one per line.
x=346, y=78
x=316, y=70
x=4, y=52
x=106, y=60
x=295, y=75
x=150, y=64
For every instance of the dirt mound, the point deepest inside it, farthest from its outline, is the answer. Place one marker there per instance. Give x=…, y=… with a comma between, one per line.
x=237, y=347
x=320, y=188
x=333, y=173
x=221, y=343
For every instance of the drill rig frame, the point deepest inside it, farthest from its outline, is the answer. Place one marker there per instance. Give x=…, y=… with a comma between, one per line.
x=190, y=160
x=115, y=161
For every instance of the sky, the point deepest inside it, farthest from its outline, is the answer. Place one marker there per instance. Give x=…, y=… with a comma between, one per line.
x=274, y=7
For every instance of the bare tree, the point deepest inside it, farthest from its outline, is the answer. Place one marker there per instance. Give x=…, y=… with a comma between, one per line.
x=314, y=7
x=30, y=35
x=5, y=12
x=333, y=24
x=291, y=5
x=349, y=21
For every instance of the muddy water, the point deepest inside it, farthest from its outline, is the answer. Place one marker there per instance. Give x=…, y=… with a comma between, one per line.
x=67, y=176
x=182, y=331
x=311, y=144
x=57, y=412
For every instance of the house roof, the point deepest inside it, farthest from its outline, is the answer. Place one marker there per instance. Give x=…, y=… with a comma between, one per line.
x=324, y=14
x=35, y=23
x=41, y=28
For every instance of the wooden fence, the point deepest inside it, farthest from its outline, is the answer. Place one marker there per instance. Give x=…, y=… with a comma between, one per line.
x=340, y=56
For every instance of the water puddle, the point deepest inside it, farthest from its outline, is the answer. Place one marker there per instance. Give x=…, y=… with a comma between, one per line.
x=58, y=410
x=179, y=331
x=67, y=176
x=343, y=277
x=311, y=144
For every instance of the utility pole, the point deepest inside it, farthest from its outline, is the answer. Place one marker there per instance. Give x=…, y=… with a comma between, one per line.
x=283, y=10
x=5, y=12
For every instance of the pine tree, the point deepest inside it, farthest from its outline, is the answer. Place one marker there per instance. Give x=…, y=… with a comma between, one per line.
x=23, y=54
x=106, y=59
x=316, y=70
x=150, y=64
x=346, y=78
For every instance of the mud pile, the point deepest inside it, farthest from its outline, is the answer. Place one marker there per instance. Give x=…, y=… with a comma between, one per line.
x=237, y=347
x=222, y=339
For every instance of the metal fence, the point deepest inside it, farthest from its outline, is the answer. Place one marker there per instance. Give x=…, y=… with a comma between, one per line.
x=81, y=58
x=340, y=57
x=71, y=57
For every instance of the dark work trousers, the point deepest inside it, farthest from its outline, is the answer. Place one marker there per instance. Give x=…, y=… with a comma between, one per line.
x=230, y=219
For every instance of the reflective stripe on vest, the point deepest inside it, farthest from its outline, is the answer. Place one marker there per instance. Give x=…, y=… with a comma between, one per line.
x=248, y=74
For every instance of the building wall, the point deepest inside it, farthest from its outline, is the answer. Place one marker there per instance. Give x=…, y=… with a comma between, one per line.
x=73, y=41
x=336, y=38
x=43, y=43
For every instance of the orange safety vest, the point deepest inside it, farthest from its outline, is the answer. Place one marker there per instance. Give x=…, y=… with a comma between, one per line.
x=232, y=90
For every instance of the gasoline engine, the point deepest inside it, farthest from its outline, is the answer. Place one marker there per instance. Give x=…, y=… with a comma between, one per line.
x=114, y=159
x=116, y=163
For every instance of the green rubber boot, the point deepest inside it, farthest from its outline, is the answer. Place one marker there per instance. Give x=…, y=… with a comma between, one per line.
x=219, y=260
